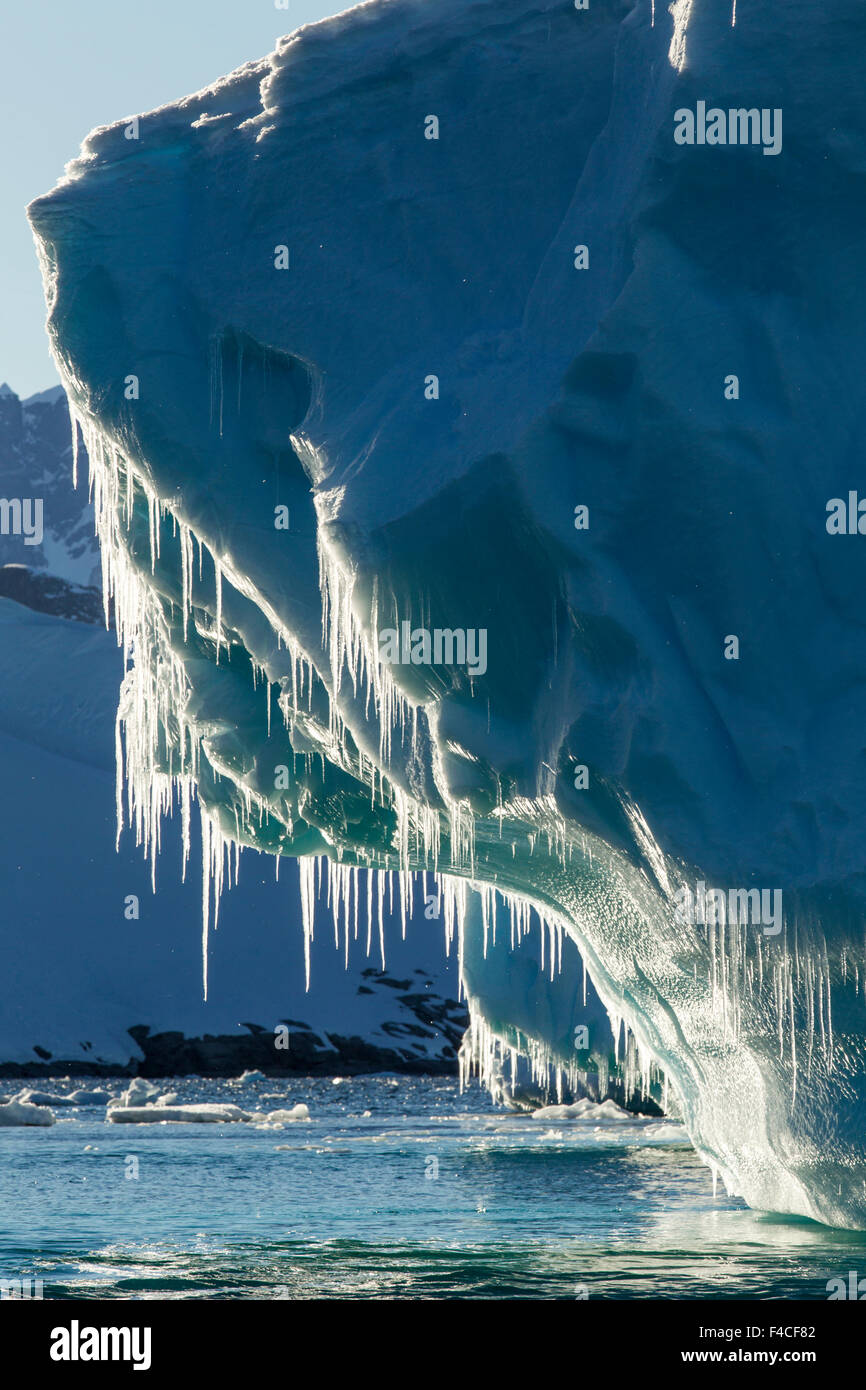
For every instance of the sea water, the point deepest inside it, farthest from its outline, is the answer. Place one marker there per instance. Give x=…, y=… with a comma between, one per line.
x=397, y=1187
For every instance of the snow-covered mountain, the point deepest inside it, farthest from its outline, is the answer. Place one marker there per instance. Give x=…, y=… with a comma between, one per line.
x=55, y=567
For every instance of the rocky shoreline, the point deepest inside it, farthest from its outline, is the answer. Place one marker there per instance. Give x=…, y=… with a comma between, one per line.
x=309, y=1053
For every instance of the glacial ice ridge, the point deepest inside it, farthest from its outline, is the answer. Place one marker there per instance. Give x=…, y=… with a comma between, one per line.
x=428, y=319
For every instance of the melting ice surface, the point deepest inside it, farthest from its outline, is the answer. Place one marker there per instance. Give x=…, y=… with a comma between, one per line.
x=250, y=295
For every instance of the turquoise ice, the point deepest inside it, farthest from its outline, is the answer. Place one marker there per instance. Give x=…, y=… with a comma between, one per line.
x=533, y=368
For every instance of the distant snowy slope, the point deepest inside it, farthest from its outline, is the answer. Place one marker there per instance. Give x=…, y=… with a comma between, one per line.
x=76, y=973
x=36, y=464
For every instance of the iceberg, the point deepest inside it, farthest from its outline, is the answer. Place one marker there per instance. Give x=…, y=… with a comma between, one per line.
x=428, y=326
x=17, y=1112
x=206, y=1112
x=281, y=1117
x=55, y=1101
x=585, y=1111
x=138, y=1093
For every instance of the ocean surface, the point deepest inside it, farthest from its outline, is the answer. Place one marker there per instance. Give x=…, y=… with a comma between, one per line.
x=397, y=1187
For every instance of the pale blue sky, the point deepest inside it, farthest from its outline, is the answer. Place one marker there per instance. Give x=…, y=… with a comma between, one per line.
x=67, y=67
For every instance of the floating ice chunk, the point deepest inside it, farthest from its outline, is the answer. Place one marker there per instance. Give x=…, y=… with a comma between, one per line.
x=609, y=1110
x=205, y=1113
x=30, y=1097
x=281, y=1117
x=667, y=1130
x=249, y=1076
x=170, y=1098
x=18, y=1112
x=50, y=1098
x=83, y=1097
x=138, y=1092
x=586, y=1110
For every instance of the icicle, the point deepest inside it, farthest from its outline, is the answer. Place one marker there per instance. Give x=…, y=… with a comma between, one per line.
x=73, y=420
x=218, y=581
x=380, y=881
x=186, y=576
x=307, y=868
